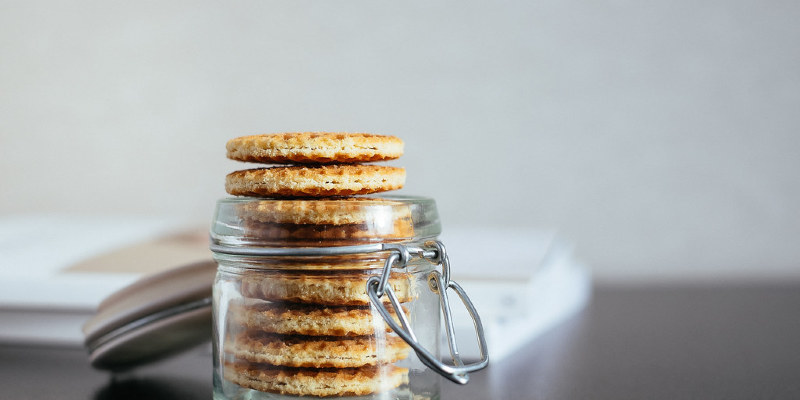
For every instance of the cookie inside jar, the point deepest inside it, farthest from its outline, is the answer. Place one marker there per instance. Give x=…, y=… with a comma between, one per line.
x=295, y=321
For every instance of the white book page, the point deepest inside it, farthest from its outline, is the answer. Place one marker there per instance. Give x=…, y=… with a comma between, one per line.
x=37, y=249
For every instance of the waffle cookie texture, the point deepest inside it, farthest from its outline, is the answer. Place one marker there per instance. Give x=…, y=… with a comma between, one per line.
x=316, y=382
x=314, y=148
x=312, y=350
x=325, y=289
x=326, y=164
x=319, y=352
x=345, y=234
x=325, y=222
x=344, y=211
x=307, y=320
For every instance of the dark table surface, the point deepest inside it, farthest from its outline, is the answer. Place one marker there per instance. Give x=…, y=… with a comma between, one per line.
x=719, y=342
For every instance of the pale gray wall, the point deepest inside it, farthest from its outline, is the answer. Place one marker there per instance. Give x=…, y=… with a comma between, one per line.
x=661, y=136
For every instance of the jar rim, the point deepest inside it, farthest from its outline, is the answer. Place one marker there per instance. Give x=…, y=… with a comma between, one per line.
x=329, y=222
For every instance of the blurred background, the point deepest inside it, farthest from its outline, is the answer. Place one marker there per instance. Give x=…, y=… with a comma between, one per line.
x=663, y=138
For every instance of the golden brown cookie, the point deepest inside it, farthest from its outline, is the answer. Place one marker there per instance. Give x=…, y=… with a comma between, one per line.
x=324, y=222
x=327, y=289
x=315, y=181
x=287, y=235
x=315, y=148
x=316, y=382
x=341, y=211
x=311, y=320
x=319, y=351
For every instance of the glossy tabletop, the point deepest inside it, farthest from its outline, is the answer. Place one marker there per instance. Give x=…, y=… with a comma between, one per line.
x=718, y=342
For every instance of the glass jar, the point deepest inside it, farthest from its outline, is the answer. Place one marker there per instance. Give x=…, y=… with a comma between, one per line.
x=331, y=298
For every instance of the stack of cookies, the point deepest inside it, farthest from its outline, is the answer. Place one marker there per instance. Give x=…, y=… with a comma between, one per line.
x=305, y=327
x=326, y=164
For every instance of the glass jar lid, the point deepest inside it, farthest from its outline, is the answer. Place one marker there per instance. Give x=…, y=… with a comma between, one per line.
x=260, y=222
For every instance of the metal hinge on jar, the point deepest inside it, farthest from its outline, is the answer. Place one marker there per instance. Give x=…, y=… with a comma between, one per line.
x=438, y=282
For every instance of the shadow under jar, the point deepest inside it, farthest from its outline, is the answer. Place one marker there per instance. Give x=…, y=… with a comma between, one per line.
x=337, y=298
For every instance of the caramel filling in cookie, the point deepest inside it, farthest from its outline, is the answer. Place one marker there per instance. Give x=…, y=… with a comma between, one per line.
x=315, y=181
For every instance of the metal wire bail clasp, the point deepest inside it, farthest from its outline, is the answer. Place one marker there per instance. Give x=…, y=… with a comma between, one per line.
x=439, y=283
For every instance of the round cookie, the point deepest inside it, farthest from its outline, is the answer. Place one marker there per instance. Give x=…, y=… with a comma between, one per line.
x=303, y=319
x=319, y=352
x=315, y=181
x=314, y=148
x=342, y=211
x=325, y=222
x=288, y=235
x=316, y=382
x=325, y=289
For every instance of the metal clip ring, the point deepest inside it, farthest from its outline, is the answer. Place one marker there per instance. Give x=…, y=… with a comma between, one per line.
x=387, y=271
x=400, y=255
x=441, y=258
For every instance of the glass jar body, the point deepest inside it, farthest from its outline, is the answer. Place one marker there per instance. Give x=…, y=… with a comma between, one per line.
x=303, y=326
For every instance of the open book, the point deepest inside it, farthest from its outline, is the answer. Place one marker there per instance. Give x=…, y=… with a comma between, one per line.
x=57, y=269
x=523, y=282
